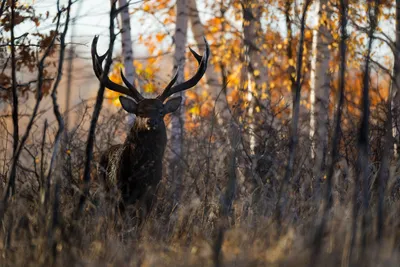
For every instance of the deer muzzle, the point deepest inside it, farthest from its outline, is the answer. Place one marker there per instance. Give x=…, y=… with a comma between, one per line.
x=152, y=124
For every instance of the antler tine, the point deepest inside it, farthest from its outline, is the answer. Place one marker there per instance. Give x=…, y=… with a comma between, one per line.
x=105, y=80
x=197, y=56
x=95, y=58
x=202, y=60
x=135, y=93
x=170, y=84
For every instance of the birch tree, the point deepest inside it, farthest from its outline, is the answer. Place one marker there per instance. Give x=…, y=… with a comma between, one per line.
x=70, y=69
x=127, y=52
x=328, y=198
x=320, y=86
x=199, y=32
x=255, y=59
x=177, y=119
x=211, y=75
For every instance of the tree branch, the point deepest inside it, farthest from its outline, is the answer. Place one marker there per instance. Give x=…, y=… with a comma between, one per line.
x=96, y=113
x=39, y=94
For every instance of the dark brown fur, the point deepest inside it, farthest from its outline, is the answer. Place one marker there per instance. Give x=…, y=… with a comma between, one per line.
x=133, y=170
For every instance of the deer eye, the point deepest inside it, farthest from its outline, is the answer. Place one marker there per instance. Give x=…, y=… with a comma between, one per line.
x=161, y=113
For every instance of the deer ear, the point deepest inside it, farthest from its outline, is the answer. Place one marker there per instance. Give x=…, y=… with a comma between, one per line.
x=128, y=104
x=172, y=104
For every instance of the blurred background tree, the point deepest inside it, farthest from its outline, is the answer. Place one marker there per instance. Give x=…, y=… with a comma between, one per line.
x=261, y=123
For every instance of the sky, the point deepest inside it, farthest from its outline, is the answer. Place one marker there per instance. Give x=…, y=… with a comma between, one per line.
x=90, y=17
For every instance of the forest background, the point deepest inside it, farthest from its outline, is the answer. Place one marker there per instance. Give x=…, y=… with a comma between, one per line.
x=286, y=152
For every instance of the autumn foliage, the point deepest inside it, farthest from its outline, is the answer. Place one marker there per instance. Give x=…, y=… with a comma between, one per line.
x=247, y=192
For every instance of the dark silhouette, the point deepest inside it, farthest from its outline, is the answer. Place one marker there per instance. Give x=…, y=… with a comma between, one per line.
x=135, y=168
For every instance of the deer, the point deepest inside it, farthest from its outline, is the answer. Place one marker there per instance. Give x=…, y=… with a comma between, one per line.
x=134, y=169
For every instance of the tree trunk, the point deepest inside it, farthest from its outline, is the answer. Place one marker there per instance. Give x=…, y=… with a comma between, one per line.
x=213, y=85
x=199, y=32
x=70, y=69
x=127, y=52
x=254, y=78
x=15, y=118
x=320, y=88
x=255, y=62
x=396, y=84
x=328, y=198
x=294, y=138
x=363, y=136
x=177, y=118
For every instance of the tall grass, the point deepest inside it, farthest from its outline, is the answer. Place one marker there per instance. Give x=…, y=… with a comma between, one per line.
x=201, y=230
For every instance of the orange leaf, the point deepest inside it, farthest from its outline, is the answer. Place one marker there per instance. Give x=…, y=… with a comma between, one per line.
x=160, y=37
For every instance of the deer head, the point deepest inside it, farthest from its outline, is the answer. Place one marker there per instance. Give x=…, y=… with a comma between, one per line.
x=150, y=111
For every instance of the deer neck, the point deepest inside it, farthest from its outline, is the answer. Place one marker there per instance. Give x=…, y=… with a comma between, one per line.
x=140, y=134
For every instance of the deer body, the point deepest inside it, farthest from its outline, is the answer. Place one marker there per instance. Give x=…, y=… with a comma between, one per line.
x=135, y=167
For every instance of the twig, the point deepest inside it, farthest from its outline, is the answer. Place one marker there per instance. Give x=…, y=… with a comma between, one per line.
x=57, y=113
x=3, y=3
x=56, y=108
x=26, y=84
x=39, y=94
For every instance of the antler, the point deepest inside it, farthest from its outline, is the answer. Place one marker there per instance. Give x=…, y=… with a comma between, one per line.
x=171, y=88
x=98, y=70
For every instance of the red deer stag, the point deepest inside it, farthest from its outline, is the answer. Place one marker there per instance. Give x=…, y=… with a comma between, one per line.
x=135, y=167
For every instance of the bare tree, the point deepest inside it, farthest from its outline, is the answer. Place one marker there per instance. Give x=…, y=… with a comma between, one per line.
x=56, y=108
x=177, y=119
x=296, y=113
x=363, y=135
x=127, y=51
x=53, y=170
x=96, y=111
x=320, y=87
x=10, y=190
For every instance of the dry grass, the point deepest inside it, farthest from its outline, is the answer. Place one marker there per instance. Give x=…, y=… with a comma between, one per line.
x=198, y=230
